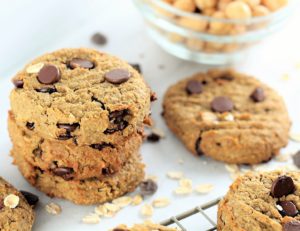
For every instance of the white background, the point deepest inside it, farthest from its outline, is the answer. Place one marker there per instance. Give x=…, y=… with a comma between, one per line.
x=31, y=27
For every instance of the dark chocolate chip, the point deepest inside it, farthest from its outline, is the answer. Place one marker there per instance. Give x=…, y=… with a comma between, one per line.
x=64, y=172
x=83, y=63
x=107, y=171
x=198, y=147
x=49, y=90
x=18, y=83
x=289, y=208
x=68, y=127
x=153, y=96
x=49, y=74
x=292, y=226
x=136, y=67
x=38, y=152
x=194, y=87
x=117, y=76
x=148, y=187
x=222, y=104
x=153, y=137
x=118, y=123
x=98, y=101
x=101, y=146
x=30, y=125
x=99, y=39
x=296, y=159
x=31, y=198
x=282, y=186
x=258, y=95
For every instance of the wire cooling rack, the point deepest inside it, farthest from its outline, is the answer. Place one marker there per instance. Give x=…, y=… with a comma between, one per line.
x=199, y=209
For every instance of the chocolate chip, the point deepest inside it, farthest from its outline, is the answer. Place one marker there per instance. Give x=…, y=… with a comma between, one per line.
x=136, y=67
x=38, y=152
x=222, y=104
x=292, y=226
x=117, y=76
x=148, y=187
x=30, y=125
x=18, y=83
x=64, y=172
x=101, y=146
x=153, y=96
x=98, y=101
x=194, y=87
x=49, y=74
x=153, y=137
x=296, y=159
x=99, y=39
x=282, y=186
x=30, y=198
x=49, y=90
x=107, y=171
x=83, y=63
x=66, y=136
x=258, y=95
x=198, y=147
x=289, y=208
x=68, y=127
x=117, y=120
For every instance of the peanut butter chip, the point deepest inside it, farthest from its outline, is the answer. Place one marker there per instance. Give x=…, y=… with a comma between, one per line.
x=49, y=74
x=117, y=76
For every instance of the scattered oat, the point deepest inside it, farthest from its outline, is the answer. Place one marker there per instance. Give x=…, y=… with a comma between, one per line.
x=183, y=191
x=91, y=219
x=147, y=210
x=53, y=208
x=35, y=68
x=175, y=175
x=101, y=210
x=161, y=202
x=186, y=183
x=112, y=207
x=232, y=168
x=295, y=137
x=282, y=157
x=204, y=188
x=137, y=199
x=11, y=201
x=122, y=201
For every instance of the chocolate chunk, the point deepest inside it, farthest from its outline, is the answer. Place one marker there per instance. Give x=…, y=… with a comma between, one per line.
x=198, y=147
x=30, y=125
x=137, y=67
x=49, y=74
x=18, y=83
x=117, y=76
x=194, y=87
x=117, y=120
x=99, y=39
x=153, y=137
x=282, y=186
x=107, y=171
x=31, y=198
x=258, y=95
x=66, y=136
x=68, y=127
x=292, y=226
x=296, y=159
x=148, y=187
x=289, y=208
x=222, y=104
x=64, y=172
x=101, y=146
x=49, y=90
x=83, y=63
x=153, y=96
x=38, y=152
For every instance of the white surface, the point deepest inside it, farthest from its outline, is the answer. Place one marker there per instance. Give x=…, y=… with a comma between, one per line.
x=30, y=28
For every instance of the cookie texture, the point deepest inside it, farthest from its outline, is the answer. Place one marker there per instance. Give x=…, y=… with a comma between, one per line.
x=147, y=226
x=262, y=201
x=15, y=213
x=89, y=191
x=68, y=159
x=228, y=116
x=80, y=94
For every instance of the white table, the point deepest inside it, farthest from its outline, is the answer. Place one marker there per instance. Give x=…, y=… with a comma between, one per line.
x=31, y=27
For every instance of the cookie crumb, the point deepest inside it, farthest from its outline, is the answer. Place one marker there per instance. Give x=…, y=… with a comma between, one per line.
x=11, y=201
x=204, y=188
x=91, y=219
x=161, y=202
x=53, y=208
x=147, y=210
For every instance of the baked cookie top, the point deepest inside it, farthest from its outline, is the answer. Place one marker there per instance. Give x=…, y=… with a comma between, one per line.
x=228, y=116
x=262, y=201
x=15, y=212
x=80, y=93
x=147, y=226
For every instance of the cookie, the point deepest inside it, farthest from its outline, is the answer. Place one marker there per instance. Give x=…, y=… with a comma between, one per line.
x=147, y=226
x=85, y=192
x=265, y=201
x=228, y=116
x=82, y=95
x=15, y=212
x=69, y=160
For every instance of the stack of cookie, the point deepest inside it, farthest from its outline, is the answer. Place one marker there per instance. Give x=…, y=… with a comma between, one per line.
x=76, y=123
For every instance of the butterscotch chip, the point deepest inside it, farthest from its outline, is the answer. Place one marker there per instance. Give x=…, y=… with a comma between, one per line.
x=53, y=208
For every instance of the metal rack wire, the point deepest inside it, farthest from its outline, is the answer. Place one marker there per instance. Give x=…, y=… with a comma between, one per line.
x=199, y=209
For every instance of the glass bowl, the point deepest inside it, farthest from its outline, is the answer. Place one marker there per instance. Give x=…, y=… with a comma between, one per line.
x=205, y=39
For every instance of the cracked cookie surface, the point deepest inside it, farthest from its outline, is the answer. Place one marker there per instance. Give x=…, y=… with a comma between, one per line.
x=228, y=116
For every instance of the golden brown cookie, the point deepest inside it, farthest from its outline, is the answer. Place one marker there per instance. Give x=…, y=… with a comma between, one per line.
x=228, y=116
x=68, y=160
x=89, y=191
x=80, y=94
x=15, y=212
x=265, y=201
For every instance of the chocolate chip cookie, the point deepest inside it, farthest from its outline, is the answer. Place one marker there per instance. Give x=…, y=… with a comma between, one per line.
x=82, y=95
x=228, y=116
x=15, y=212
x=265, y=201
x=147, y=226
